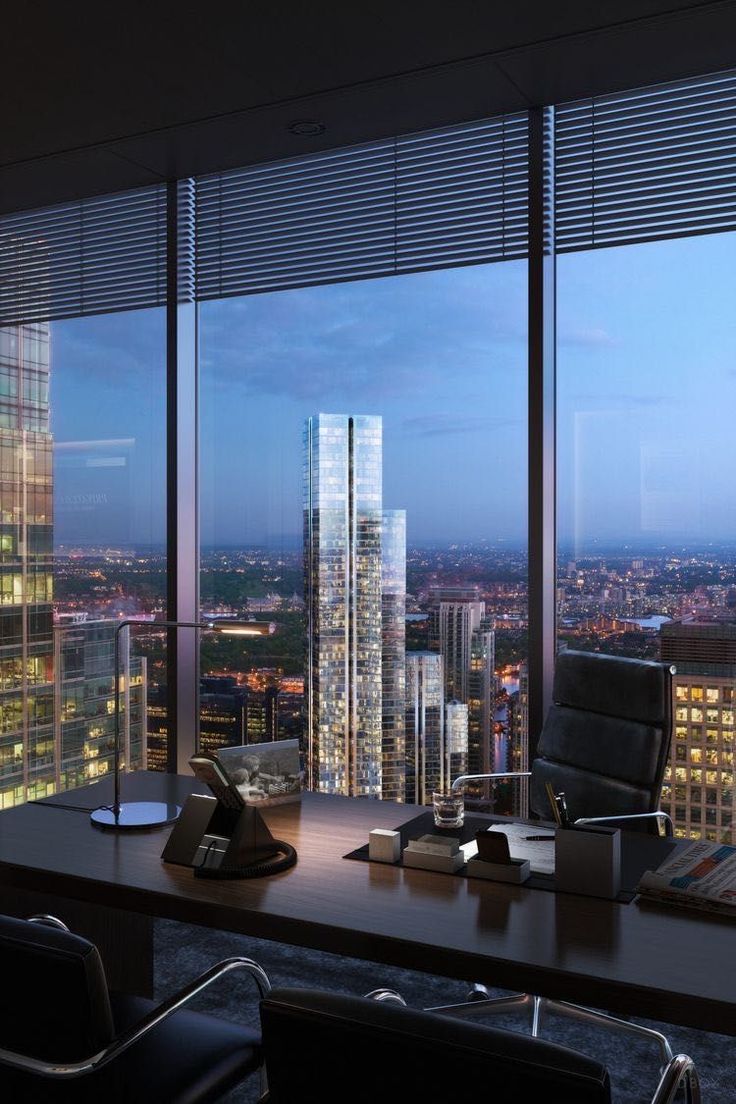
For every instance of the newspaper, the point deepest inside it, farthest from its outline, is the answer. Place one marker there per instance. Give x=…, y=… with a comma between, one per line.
x=701, y=875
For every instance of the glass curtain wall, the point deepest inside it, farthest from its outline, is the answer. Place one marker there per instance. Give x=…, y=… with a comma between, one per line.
x=82, y=497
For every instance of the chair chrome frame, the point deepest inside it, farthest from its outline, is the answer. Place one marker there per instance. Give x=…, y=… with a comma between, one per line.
x=65, y=1071
x=480, y=1004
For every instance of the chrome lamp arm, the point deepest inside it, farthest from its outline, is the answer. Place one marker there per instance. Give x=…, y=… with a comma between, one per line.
x=463, y=778
x=679, y=1071
x=67, y=1070
x=659, y=815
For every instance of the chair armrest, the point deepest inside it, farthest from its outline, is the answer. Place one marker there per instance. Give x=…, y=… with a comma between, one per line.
x=386, y=996
x=68, y=1070
x=48, y=921
x=680, y=1070
x=659, y=814
x=463, y=778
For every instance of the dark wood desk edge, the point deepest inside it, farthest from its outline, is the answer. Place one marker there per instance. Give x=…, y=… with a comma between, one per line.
x=704, y=1013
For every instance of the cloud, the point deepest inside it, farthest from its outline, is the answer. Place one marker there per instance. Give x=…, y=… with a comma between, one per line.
x=619, y=402
x=587, y=337
x=445, y=425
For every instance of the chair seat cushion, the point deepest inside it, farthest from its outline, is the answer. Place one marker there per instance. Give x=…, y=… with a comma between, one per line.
x=190, y=1059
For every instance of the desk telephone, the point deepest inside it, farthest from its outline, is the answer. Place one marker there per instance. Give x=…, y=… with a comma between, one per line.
x=222, y=836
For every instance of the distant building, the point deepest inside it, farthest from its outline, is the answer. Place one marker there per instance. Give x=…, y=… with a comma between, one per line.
x=481, y=700
x=425, y=726
x=699, y=783
x=84, y=714
x=355, y=599
x=519, y=744
x=342, y=572
x=393, y=654
x=452, y=625
x=456, y=741
x=222, y=712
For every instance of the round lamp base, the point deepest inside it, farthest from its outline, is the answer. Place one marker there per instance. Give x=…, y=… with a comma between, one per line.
x=136, y=814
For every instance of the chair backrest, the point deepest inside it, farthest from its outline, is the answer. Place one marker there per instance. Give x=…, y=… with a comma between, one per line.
x=56, y=1005
x=332, y=1048
x=606, y=738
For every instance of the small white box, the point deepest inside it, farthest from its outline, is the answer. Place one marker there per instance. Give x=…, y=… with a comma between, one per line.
x=384, y=845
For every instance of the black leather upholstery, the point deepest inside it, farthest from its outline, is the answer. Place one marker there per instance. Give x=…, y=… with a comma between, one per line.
x=56, y=1006
x=357, y=1050
x=606, y=738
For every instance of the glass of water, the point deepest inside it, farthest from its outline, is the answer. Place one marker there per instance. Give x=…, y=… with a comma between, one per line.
x=449, y=809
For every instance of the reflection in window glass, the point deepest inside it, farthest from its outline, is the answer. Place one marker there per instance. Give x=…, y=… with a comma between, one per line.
x=646, y=497
x=363, y=484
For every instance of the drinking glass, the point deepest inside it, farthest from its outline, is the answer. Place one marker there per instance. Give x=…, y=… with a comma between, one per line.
x=449, y=809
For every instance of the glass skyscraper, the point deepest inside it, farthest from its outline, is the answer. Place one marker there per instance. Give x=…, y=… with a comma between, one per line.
x=425, y=726
x=343, y=580
x=56, y=681
x=393, y=607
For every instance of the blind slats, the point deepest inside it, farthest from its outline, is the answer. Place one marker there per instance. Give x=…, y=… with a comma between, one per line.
x=88, y=257
x=439, y=199
x=640, y=166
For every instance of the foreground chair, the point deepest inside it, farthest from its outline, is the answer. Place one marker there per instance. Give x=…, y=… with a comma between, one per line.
x=605, y=743
x=65, y=1038
x=333, y=1049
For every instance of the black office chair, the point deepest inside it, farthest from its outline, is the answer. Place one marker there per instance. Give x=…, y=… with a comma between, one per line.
x=332, y=1049
x=65, y=1038
x=605, y=744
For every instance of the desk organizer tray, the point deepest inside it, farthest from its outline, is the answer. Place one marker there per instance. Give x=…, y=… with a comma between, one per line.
x=639, y=852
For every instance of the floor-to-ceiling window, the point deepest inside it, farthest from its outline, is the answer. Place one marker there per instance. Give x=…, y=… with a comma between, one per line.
x=646, y=384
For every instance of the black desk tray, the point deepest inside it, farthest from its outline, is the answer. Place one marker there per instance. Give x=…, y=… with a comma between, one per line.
x=639, y=852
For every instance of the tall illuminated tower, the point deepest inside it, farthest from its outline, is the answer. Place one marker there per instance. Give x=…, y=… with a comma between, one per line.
x=393, y=607
x=26, y=622
x=425, y=726
x=343, y=589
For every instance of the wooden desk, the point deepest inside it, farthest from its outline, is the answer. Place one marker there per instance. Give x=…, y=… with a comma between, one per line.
x=633, y=959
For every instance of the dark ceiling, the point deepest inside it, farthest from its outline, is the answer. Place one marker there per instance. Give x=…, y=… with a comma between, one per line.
x=103, y=97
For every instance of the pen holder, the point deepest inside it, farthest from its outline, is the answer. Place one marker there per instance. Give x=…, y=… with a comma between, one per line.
x=588, y=860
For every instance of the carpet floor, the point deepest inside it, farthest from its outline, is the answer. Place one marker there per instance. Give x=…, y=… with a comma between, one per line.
x=182, y=952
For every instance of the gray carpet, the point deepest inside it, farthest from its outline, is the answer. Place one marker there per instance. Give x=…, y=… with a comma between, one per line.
x=182, y=952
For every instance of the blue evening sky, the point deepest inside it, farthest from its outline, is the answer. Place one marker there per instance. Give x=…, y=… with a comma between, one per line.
x=646, y=393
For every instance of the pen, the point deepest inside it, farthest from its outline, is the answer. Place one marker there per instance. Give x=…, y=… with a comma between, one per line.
x=537, y=839
x=553, y=803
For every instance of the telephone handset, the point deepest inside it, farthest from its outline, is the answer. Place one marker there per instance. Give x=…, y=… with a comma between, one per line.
x=207, y=769
x=225, y=838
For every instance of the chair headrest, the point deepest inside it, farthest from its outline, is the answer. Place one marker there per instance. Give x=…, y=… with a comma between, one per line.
x=634, y=689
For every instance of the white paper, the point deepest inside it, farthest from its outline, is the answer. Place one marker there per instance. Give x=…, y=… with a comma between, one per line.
x=541, y=854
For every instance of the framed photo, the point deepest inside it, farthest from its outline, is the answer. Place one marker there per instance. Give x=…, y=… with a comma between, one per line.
x=265, y=774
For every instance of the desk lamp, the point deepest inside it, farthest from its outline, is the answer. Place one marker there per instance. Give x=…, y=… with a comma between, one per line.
x=155, y=814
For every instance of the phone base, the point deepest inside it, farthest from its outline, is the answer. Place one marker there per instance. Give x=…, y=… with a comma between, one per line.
x=134, y=815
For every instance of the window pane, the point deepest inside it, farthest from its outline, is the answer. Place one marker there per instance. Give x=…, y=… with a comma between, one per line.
x=398, y=408
x=646, y=489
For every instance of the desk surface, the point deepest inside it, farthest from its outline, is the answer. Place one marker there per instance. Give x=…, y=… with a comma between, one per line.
x=636, y=959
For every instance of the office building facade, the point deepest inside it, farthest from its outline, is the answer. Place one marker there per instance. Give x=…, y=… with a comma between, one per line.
x=698, y=791
x=456, y=741
x=344, y=629
x=425, y=726
x=393, y=656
